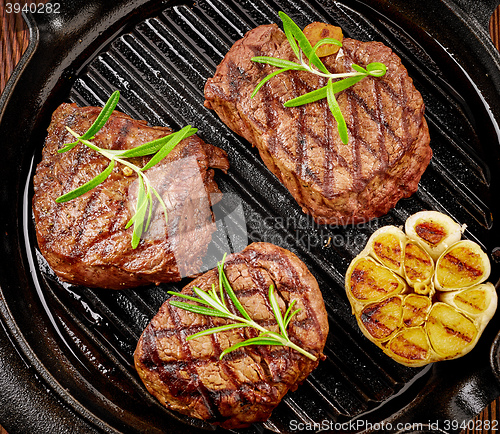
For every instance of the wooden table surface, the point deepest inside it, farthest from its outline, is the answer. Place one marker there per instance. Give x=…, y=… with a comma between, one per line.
x=13, y=42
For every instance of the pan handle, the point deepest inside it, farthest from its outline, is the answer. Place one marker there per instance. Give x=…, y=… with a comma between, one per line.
x=481, y=10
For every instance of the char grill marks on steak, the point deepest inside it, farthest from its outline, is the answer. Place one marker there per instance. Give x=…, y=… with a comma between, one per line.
x=388, y=147
x=247, y=384
x=85, y=241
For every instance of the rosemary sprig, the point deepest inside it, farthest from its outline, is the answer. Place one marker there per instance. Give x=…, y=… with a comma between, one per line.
x=213, y=303
x=160, y=148
x=302, y=47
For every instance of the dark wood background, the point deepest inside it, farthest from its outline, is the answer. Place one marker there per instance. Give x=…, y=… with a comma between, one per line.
x=13, y=42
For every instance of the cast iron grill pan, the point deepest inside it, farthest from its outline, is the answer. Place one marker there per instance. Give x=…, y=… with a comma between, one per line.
x=160, y=67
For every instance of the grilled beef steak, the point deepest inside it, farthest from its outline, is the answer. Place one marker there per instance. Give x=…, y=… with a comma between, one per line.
x=85, y=241
x=247, y=384
x=388, y=147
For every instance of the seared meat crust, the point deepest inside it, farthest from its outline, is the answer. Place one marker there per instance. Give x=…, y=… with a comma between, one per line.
x=247, y=384
x=84, y=240
x=388, y=147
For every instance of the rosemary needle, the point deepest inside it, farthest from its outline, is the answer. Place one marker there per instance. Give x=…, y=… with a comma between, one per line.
x=160, y=148
x=302, y=47
x=213, y=303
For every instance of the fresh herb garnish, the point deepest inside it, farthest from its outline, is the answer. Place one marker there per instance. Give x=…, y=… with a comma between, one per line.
x=213, y=303
x=302, y=47
x=160, y=147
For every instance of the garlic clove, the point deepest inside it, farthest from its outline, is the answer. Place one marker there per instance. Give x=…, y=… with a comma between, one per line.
x=433, y=231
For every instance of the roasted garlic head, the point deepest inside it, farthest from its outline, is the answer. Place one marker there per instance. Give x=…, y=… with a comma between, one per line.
x=420, y=295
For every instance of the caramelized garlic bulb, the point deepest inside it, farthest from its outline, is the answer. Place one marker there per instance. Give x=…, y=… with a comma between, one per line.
x=420, y=296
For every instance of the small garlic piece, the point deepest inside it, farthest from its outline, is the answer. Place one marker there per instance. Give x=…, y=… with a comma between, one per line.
x=127, y=171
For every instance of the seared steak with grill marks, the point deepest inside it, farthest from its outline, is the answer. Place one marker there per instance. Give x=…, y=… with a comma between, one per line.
x=85, y=241
x=388, y=147
x=247, y=384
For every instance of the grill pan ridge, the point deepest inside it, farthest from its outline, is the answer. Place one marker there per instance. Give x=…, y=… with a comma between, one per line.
x=160, y=65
